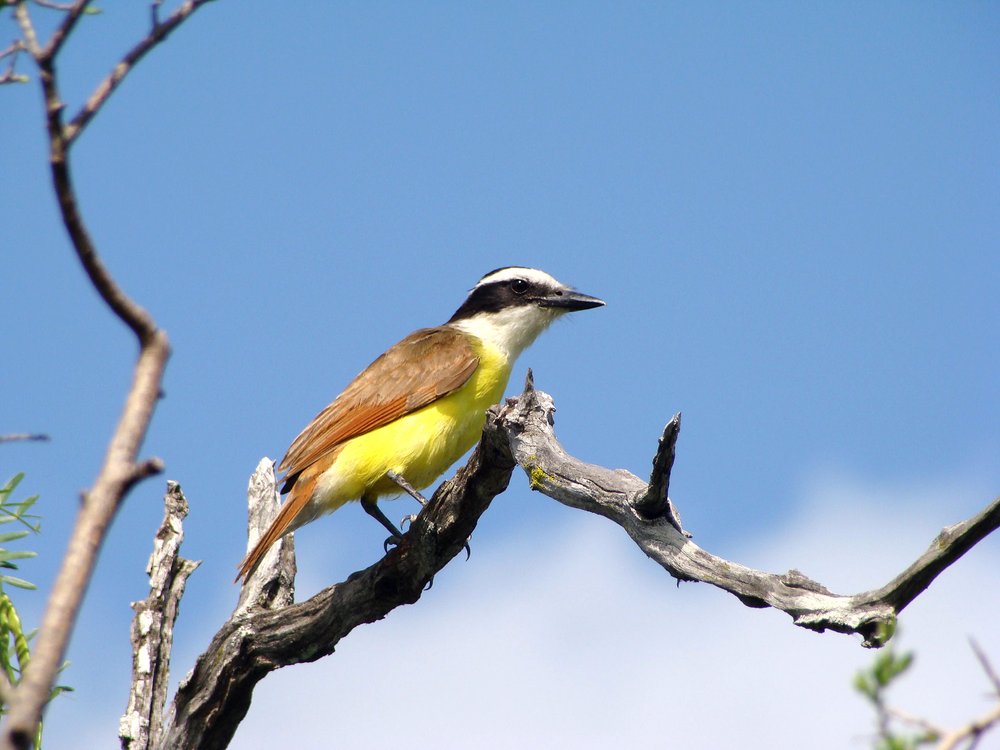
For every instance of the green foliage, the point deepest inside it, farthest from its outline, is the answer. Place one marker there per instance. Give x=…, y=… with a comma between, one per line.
x=873, y=683
x=888, y=665
x=14, y=651
x=16, y=513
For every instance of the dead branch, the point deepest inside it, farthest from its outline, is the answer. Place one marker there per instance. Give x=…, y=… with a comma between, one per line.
x=273, y=586
x=619, y=495
x=213, y=699
x=153, y=627
x=267, y=632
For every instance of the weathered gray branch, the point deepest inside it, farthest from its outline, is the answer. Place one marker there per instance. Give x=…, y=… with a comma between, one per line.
x=153, y=627
x=621, y=497
x=273, y=587
x=213, y=699
x=267, y=631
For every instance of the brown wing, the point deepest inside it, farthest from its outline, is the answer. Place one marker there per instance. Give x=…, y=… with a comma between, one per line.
x=425, y=366
x=420, y=369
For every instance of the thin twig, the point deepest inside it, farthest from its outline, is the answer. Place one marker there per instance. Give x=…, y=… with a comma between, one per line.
x=914, y=721
x=159, y=32
x=124, y=307
x=24, y=437
x=10, y=75
x=972, y=731
x=987, y=667
x=54, y=6
x=154, y=13
x=16, y=46
x=62, y=32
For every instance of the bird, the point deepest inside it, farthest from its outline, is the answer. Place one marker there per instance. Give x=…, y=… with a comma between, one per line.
x=418, y=407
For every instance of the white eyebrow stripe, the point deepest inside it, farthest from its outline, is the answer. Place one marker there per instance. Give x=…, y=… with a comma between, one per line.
x=515, y=272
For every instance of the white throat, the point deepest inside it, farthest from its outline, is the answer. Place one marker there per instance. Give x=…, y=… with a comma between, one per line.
x=512, y=329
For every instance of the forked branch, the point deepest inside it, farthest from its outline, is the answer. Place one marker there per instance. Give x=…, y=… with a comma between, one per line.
x=624, y=499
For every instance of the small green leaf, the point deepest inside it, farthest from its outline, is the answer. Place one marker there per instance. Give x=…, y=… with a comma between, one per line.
x=58, y=689
x=18, y=582
x=864, y=685
x=7, y=554
x=12, y=483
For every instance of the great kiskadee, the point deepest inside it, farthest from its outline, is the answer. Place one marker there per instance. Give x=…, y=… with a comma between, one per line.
x=416, y=409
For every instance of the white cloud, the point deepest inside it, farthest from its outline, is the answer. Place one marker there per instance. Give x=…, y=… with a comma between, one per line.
x=578, y=641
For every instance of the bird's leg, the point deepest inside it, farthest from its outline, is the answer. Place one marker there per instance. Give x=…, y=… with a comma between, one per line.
x=372, y=509
x=406, y=487
x=410, y=490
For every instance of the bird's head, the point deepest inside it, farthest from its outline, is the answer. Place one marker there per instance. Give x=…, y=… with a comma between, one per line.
x=510, y=307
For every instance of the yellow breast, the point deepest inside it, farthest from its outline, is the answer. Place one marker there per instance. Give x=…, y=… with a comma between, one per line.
x=419, y=446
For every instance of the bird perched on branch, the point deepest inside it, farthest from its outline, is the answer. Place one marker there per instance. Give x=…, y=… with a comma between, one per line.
x=417, y=408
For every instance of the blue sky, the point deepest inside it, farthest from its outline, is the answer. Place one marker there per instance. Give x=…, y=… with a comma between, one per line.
x=790, y=208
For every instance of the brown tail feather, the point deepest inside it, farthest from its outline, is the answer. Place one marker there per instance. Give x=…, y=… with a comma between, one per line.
x=297, y=499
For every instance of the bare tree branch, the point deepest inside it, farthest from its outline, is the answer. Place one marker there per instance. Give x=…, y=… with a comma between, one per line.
x=615, y=495
x=153, y=627
x=159, y=32
x=213, y=699
x=121, y=469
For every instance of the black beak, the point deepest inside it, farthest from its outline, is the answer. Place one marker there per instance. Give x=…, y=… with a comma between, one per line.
x=567, y=299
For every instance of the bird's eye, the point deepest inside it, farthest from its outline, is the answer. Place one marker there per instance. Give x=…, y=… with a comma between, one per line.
x=518, y=286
